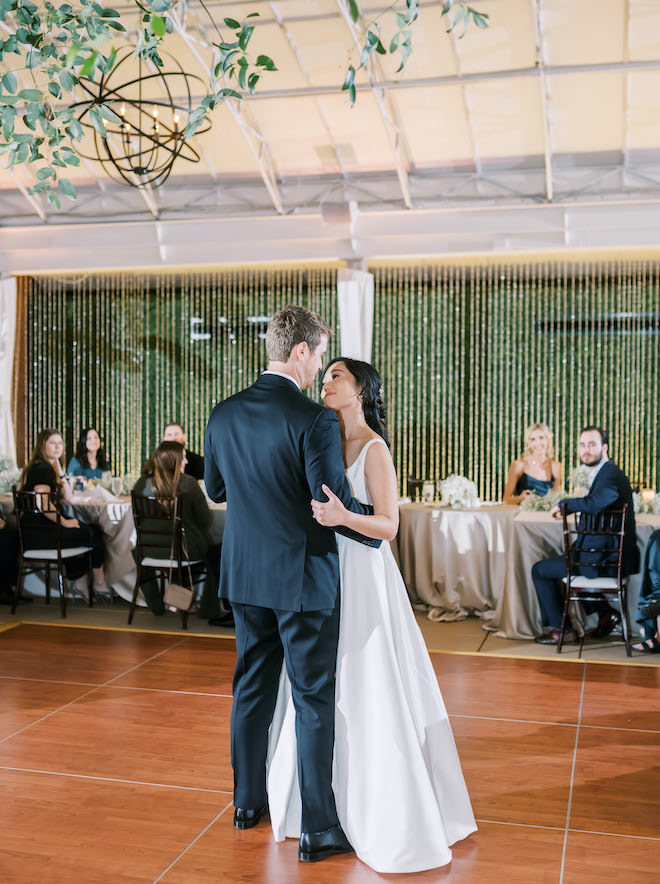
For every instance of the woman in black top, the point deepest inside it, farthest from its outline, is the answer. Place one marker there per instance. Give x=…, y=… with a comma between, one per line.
x=44, y=473
x=164, y=477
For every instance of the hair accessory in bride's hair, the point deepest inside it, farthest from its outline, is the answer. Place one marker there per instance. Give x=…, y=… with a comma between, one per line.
x=381, y=391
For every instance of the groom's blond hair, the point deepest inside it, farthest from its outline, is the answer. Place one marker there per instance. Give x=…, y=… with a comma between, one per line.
x=290, y=326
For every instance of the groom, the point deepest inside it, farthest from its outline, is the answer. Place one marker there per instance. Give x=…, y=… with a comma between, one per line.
x=268, y=451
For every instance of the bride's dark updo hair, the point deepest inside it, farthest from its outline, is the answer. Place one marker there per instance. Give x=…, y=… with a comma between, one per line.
x=370, y=389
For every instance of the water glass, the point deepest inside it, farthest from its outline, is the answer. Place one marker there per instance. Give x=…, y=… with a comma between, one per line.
x=116, y=483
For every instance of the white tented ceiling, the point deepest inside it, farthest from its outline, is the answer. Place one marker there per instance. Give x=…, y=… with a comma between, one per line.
x=556, y=104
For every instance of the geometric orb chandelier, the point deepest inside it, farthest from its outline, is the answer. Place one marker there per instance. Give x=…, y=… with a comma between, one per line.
x=154, y=109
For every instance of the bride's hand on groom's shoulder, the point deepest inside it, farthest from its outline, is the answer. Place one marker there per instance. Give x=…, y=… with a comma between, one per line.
x=331, y=513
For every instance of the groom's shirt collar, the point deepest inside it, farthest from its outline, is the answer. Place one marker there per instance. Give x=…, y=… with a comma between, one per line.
x=282, y=374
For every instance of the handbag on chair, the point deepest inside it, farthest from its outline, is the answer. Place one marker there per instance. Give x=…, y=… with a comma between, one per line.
x=176, y=596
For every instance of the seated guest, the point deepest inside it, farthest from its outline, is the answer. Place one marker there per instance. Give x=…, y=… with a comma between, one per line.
x=164, y=477
x=648, y=605
x=610, y=490
x=174, y=432
x=44, y=473
x=535, y=472
x=90, y=460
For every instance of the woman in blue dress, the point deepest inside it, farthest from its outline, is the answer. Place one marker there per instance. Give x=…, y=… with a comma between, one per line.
x=89, y=460
x=535, y=472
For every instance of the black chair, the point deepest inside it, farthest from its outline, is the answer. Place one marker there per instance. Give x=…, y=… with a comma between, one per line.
x=416, y=487
x=161, y=547
x=607, y=530
x=53, y=554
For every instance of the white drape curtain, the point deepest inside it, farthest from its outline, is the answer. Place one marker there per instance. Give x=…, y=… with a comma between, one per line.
x=355, y=299
x=7, y=336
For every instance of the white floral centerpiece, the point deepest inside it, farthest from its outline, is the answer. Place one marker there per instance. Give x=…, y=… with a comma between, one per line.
x=581, y=481
x=9, y=478
x=9, y=474
x=459, y=492
x=645, y=503
x=534, y=503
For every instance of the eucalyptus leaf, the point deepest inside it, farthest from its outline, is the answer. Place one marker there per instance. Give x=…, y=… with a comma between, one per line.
x=233, y=24
x=264, y=61
x=30, y=94
x=158, y=25
x=68, y=189
x=109, y=115
x=353, y=10
x=54, y=199
x=9, y=82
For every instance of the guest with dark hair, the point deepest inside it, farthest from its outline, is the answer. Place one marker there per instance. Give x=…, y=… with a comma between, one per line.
x=90, y=460
x=164, y=477
x=370, y=393
x=609, y=489
x=174, y=432
x=44, y=474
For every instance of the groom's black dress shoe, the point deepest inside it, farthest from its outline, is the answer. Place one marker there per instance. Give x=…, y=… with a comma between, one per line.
x=245, y=819
x=315, y=846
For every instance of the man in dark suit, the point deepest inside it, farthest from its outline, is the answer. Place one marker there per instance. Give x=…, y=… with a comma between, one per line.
x=610, y=489
x=268, y=451
x=174, y=432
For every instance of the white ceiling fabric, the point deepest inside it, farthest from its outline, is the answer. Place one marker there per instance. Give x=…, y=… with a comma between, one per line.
x=554, y=107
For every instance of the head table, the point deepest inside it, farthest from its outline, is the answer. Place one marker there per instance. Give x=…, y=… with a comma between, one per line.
x=114, y=517
x=479, y=561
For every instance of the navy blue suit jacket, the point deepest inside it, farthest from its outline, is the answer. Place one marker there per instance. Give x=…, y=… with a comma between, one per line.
x=610, y=490
x=268, y=451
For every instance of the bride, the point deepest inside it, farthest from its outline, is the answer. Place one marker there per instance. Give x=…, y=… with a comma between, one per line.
x=397, y=779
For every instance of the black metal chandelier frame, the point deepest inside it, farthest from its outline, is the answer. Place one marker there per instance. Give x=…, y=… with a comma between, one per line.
x=149, y=142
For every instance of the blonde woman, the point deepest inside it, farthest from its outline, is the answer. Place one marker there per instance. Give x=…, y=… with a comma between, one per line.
x=535, y=472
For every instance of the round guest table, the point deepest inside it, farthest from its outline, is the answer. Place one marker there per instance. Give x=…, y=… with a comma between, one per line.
x=453, y=562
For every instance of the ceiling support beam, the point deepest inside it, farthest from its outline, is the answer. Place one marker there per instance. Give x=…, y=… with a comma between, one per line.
x=544, y=88
x=386, y=112
x=458, y=80
x=33, y=201
x=249, y=130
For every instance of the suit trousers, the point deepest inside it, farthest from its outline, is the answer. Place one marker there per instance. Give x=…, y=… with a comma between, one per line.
x=307, y=642
x=546, y=575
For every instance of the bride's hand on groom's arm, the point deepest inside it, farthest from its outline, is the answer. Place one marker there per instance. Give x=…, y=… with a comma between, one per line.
x=331, y=513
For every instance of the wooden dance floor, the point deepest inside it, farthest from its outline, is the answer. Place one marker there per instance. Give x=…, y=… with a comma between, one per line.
x=114, y=767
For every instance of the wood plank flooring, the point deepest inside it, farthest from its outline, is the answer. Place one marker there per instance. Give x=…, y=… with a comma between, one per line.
x=114, y=767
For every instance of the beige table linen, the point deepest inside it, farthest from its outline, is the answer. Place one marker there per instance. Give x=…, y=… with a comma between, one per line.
x=454, y=561
x=538, y=536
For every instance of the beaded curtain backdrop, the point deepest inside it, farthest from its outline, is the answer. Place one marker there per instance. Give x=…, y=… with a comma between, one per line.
x=469, y=356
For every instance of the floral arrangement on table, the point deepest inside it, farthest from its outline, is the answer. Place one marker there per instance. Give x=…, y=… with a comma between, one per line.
x=580, y=481
x=459, y=492
x=534, y=503
x=646, y=502
x=9, y=474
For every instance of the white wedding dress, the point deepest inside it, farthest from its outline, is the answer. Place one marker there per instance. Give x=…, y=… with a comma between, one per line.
x=400, y=793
